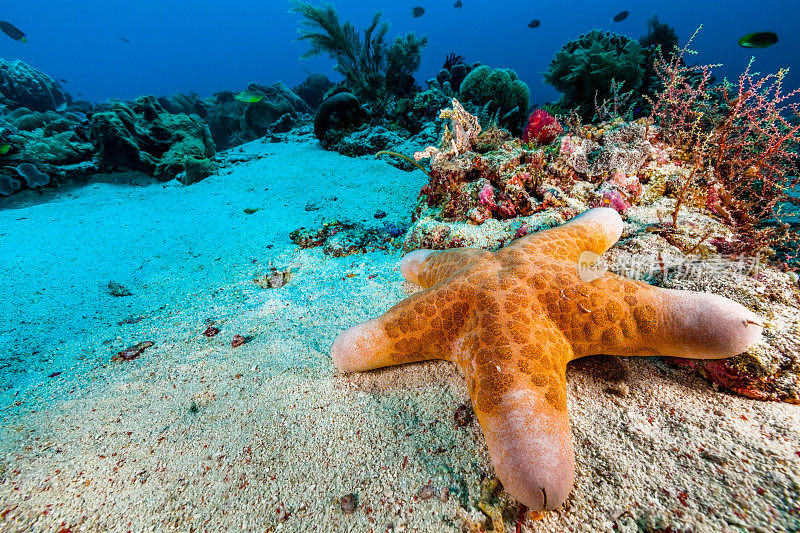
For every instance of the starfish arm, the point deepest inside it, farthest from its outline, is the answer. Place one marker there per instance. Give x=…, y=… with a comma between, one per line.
x=429, y=267
x=595, y=230
x=618, y=316
x=519, y=396
x=423, y=326
x=700, y=325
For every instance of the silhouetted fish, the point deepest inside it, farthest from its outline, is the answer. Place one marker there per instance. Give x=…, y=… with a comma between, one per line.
x=535, y=23
x=418, y=11
x=458, y=3
x=619, y=17
x=761, y=39
x=62, y=80
x=124, y=40
x=12, y=31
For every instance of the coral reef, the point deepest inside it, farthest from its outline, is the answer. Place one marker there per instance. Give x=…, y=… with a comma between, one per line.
x=501, y=91
x=338, y=116
x=143, y=136
x=279, y=101
x=23, y=86
x=453, y=71
x=486, y=189
x=33, y=176
x=233, y=122
x=582, y=71
x=55, y=144
x=313, y=89
x=744, y=133
x=374, y=69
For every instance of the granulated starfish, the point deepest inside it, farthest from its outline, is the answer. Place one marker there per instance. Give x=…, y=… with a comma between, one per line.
x=513, y=319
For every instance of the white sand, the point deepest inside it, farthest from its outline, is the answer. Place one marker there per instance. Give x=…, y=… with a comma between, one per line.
x=198, y=435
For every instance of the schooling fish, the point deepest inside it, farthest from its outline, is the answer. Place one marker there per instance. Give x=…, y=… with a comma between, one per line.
x=418, y=11
x=535, y=23
x=12, y=31
x=619, y=17
x=458, y=3
x=249, y=97
x=761, y=39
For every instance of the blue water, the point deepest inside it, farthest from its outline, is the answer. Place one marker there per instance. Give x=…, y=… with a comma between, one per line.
x=206, y=46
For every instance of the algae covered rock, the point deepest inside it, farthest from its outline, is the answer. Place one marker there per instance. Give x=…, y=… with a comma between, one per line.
x=338, y=116
x=313, y=89
x=24, y=86
x=143, y=136
x=233, y=122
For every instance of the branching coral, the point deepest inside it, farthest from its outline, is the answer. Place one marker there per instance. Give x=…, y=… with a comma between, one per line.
x=374, y=69
x=745, y=133
x=458, y=138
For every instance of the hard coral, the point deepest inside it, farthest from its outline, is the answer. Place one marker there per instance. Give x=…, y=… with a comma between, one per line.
x=584, y=68
x=504, y=94
x=542, y=128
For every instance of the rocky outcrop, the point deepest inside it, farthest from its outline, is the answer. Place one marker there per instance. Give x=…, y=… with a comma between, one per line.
x=141, y=135
x=24, y=86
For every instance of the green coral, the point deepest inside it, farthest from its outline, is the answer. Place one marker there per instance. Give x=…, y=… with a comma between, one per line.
x=585, y=67
x=374, y=69
x=501, y=91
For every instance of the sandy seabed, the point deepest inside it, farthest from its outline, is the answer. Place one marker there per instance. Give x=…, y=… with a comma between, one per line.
x=197, y=435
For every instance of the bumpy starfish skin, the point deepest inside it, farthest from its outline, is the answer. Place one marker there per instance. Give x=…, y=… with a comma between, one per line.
x=514, y=318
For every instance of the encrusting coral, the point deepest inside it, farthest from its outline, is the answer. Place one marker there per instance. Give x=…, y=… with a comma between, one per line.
x=514, y=318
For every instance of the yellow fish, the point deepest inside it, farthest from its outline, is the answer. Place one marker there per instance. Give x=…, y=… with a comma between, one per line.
x=249, y=97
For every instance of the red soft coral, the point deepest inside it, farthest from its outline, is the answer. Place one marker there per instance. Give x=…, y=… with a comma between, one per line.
x=542, y=128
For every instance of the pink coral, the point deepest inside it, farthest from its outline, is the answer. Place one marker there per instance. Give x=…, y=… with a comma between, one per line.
x=542, y=128
x=615, y=200
x=486, y=196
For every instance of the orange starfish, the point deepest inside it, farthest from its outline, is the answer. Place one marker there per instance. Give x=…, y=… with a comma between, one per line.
x=513, y=319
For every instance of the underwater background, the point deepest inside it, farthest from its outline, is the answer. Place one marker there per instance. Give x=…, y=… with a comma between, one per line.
x=208, y=46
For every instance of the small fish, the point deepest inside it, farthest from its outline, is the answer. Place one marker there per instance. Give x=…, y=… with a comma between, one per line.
x=619, y=17
x=12, y=31
x=535, y=23
x=124, y=40
x=4, y=148
x=760, y=39
x=418, y=12
x=458, y=3
x=62, y=80
x=249, y=97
